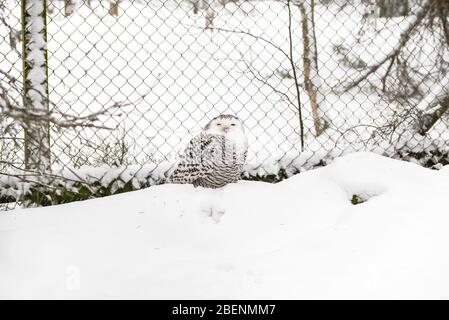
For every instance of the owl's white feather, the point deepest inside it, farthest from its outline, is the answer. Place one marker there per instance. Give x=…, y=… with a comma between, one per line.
x=216, y=156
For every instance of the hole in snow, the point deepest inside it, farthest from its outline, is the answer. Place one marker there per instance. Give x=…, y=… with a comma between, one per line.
x=357, y=199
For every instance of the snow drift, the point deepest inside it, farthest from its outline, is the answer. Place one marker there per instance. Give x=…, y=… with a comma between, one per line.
x=300, y=238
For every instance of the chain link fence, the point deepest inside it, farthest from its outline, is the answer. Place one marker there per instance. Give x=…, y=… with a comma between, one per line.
x=311, y=80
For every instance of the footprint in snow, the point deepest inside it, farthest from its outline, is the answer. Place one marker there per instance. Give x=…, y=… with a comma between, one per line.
x=214, y=213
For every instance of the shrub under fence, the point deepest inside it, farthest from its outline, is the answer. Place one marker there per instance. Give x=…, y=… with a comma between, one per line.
x=66, y=186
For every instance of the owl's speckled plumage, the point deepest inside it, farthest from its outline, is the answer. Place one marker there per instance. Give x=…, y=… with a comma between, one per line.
x=215, y=157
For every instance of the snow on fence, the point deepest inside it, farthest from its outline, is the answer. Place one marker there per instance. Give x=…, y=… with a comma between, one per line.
x=99, y=97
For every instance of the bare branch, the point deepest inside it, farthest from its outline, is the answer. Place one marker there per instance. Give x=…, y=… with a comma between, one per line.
x=403, y=39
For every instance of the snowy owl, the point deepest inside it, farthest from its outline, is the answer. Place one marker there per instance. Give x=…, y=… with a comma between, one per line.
x=216, y=156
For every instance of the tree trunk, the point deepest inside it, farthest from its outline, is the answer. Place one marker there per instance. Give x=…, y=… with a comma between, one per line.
x=209, y=14
x=393, y=8
x=35, y=83
x=434, y=106
x=113, y=7
x=196, y=5
x=312, y=80
x=295, y=75
x=50, y=7
x=428, y=120
x=69, y=7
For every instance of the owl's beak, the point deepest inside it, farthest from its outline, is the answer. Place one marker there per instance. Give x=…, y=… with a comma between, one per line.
x=225, y=129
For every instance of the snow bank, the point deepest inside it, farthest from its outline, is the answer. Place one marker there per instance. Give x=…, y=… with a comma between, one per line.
x=300, y=238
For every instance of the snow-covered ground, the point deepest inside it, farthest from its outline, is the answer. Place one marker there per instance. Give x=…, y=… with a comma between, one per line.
x=300, y=238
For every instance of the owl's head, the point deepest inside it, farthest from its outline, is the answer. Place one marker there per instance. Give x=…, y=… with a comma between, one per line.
x=225, y=125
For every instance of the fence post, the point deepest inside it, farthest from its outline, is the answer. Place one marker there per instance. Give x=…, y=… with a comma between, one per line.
x=35, y=84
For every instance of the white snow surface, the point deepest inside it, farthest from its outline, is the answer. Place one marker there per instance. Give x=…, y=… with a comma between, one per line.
x=300, y=238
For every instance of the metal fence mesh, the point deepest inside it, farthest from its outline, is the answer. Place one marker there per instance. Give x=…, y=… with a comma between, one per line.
x=174, y=65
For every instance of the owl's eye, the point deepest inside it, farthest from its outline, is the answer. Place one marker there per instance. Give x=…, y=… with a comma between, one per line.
x=218, y=124
x=232, y=124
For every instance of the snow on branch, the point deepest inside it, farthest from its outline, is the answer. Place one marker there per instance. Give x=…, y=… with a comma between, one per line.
x=433, y=106
x=59, y=119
